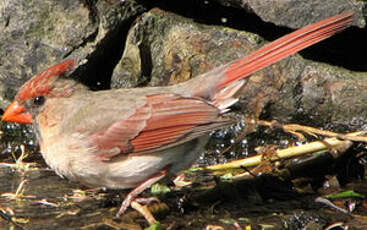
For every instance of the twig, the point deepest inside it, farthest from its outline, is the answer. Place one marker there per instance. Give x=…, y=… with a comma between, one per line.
x=9, y=219
x=330, y=204
x=295, y=151
x=144, y=211
x=295, y=129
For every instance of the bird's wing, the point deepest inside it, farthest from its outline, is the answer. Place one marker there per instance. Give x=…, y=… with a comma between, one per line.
x=165, y=120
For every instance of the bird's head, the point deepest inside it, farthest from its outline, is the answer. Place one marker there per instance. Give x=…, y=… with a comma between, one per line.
x=34, y=93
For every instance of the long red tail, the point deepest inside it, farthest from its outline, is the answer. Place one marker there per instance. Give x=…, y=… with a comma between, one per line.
x=285, y=46
x=218, y=85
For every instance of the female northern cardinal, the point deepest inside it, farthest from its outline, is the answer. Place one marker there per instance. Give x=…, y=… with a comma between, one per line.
x=139, y=135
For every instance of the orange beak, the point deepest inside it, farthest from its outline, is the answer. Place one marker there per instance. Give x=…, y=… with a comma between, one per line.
x=16, y=112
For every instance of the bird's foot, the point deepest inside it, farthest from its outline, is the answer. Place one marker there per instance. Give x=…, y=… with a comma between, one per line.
x=132, y=196
x=180, y=182
x=146, y=200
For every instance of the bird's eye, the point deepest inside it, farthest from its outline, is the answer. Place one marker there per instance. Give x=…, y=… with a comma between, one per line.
x=39, y=100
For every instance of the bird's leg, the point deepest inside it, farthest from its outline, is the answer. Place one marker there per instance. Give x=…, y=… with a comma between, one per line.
x=139, y=189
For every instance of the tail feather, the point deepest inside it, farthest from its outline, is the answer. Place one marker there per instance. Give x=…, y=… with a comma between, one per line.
x=224, y=98
x=221, y=84
x=284, y=46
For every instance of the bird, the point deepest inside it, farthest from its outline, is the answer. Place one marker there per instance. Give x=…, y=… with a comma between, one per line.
x=141, y=135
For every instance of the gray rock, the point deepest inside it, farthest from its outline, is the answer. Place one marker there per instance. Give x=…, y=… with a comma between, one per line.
x=298, y=13
x=37, y=34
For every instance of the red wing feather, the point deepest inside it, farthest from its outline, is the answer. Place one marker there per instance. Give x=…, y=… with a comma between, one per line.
x=119, y=134
x=156, y=138
x=172, y=119
x=162, y=121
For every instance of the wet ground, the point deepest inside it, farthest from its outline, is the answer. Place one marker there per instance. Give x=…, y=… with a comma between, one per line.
x=34, y=197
